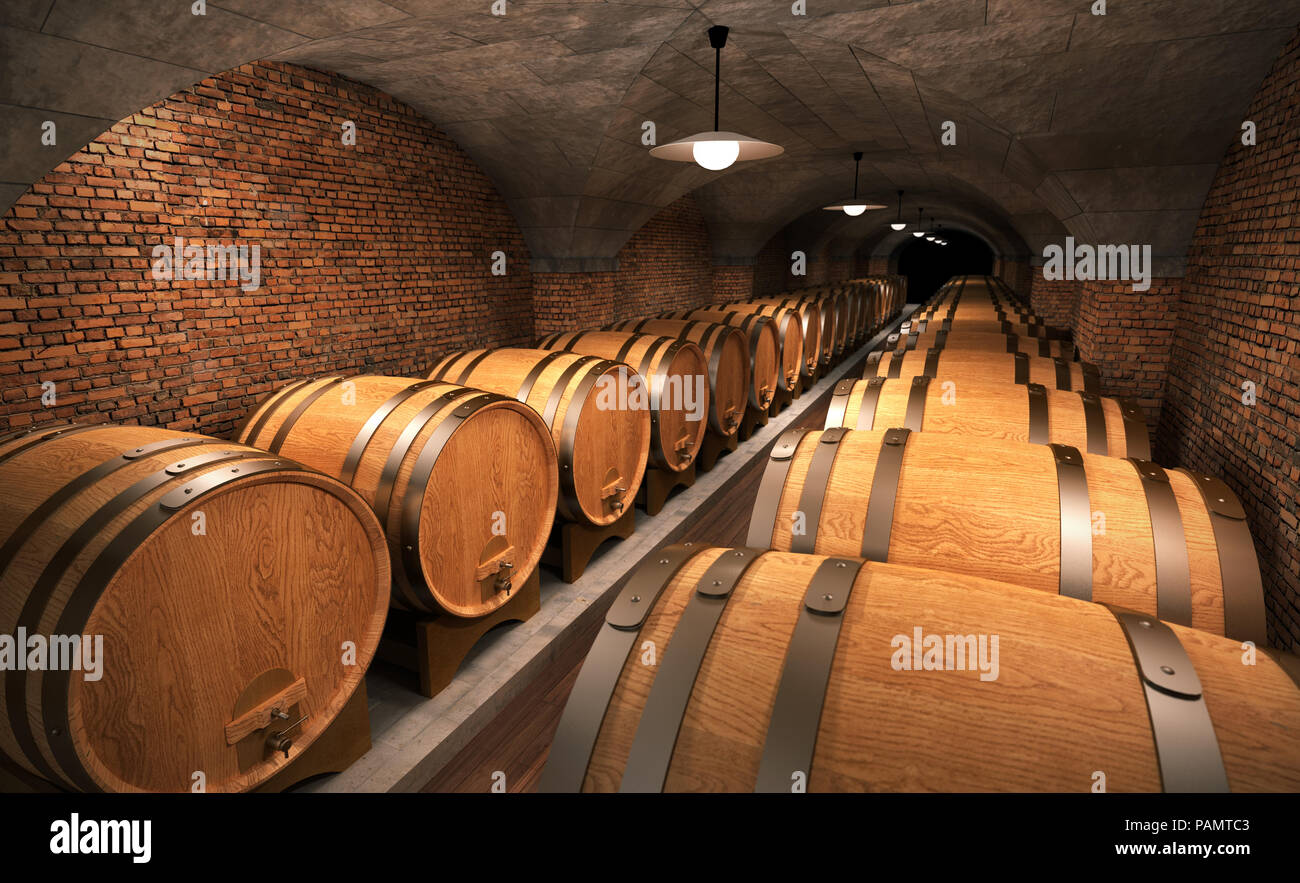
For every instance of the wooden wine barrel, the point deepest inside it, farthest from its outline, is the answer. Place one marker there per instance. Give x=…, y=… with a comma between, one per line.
x=1166, y=543
x=957, y=305
x=677, y=373
x=1014, y=412
x=795, y=361
x=464, y=481
x=777, y=672
x=859, y=298
x=817, y=347
x=958, y=338
x=602, y=442
x=985, y=367
x=728, y=353
x=222, y=581
x=836, y=305
x=765, y=359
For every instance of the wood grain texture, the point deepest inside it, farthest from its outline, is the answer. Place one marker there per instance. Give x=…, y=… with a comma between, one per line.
x=992, y=510
x=789, y=331
x=196, y=626
x=498, y=460
x=986, y=409
x=676, y=431
x=727, y=352
x=764, y=350
x=1067, y=700
x=974, y=365
x=602, y=445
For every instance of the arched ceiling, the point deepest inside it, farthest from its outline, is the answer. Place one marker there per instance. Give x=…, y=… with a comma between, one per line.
x=1108, y=128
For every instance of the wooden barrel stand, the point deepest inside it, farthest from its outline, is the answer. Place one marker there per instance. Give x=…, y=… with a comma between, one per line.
x=659, y=484
x=573, y=545
x=714, y=446
x=436, y=646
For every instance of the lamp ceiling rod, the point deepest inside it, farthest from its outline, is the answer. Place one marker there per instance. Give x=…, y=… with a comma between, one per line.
x=717, y=39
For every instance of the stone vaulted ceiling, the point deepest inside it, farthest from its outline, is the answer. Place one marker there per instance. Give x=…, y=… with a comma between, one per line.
x=1108, y=128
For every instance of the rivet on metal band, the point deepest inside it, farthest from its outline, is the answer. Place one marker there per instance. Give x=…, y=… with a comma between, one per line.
x=468, y=371
x=1022, y=368
x=1187, y=747
x=1076, y=523
x=530, y=380
x=895, y=364
x=1095, y=423
x=870, y=399
x=575, y=737
x=837, y=410
x=797, y=709
x=1063, y=375
x=1091, y=377
x=932, y=362
x=1137, y=438
x=1173, y=570
x=661, y=718
x=916, y=399
x=272, y=403
x=879, y=524
x=762, y=522
x=1243, y=588
x=372, y=424
x=813, y=494
x=1040, y=429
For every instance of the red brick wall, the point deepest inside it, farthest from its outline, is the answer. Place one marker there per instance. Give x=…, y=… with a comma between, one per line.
x=373, y=256
x=1017, y=274
x=772, y=269
x=1128, y=335
x=1239, y=317
x=732, y=283
x=666, y=265
x=1056, y=301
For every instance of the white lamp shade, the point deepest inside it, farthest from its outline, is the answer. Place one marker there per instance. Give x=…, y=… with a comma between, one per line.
x=897, y=226
x=711, y=149
x=918, y=233
x=859, y=206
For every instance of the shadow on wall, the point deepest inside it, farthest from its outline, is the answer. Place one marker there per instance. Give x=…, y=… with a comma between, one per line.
x=927, y=265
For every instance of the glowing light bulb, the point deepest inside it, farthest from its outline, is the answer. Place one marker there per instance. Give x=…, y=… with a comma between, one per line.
x=897, y=226
x=854, y=209
x=929, y=239
x=918, y=233
x=715, y=155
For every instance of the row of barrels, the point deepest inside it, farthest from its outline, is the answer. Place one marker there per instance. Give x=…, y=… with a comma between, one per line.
x=133, y=557
x=997, y=591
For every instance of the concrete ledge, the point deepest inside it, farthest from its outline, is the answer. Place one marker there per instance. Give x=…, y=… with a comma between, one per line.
x=415, y=737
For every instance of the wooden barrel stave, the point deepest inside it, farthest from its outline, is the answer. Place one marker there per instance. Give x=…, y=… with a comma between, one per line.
x=86, y=543
x=1116, y=427
x=460, y=527
x=727, y=351
x=602, y=452
x=789, y=331
x=764, y=349
x=1007, y=521
x=985, y=367
x=882, y=727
